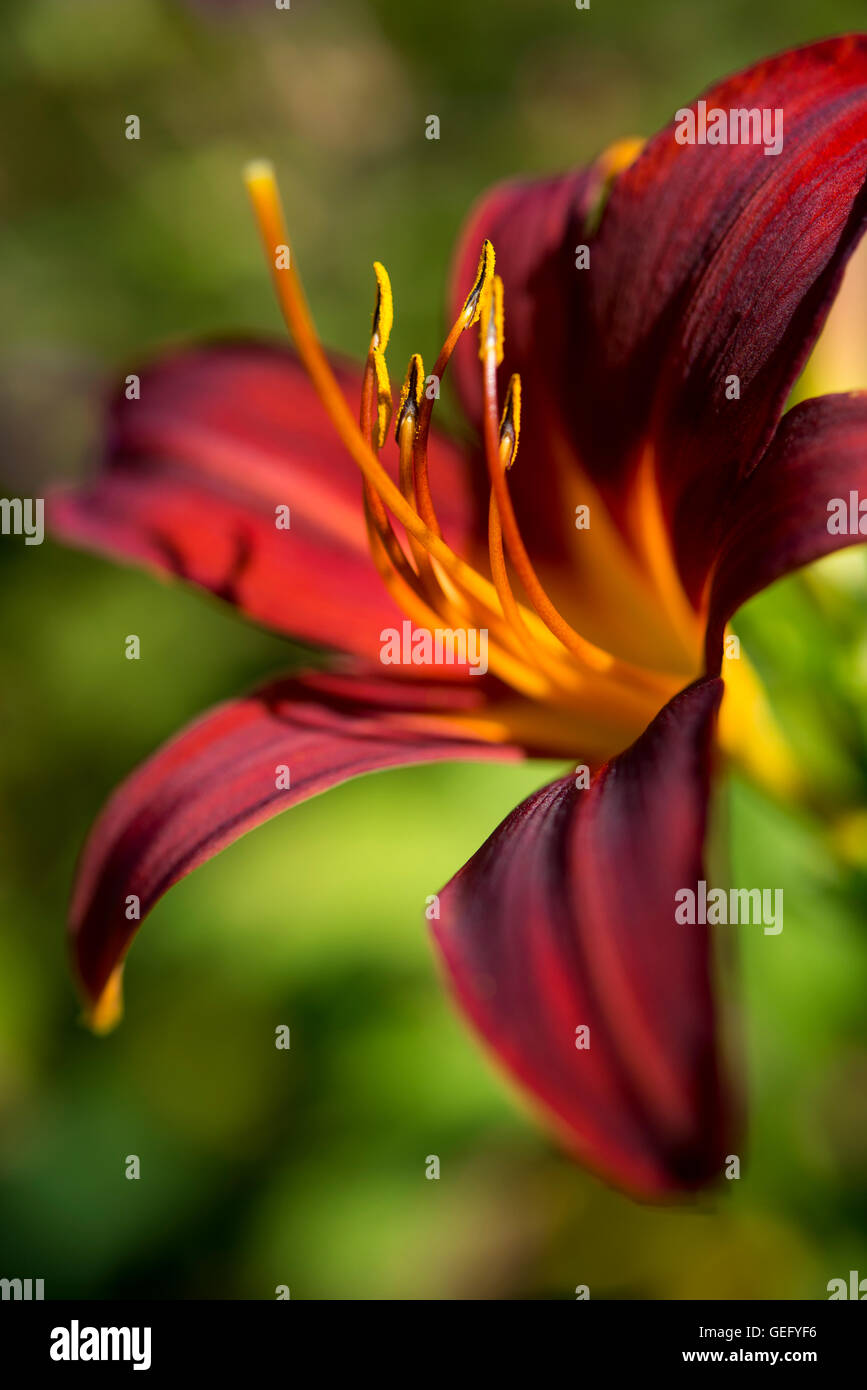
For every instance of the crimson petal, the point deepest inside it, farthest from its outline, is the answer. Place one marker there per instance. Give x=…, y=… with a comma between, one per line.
x=778, y=519
x=221, y=436
x=218, y=778
x=565, y=917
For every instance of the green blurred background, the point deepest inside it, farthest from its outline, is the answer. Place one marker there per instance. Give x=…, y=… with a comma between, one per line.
x=306, y=1168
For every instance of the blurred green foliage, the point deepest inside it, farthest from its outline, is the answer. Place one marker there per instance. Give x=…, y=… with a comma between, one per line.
x=261, y=1167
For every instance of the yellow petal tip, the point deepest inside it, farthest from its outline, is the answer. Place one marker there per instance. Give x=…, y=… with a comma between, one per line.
x=107, y=1012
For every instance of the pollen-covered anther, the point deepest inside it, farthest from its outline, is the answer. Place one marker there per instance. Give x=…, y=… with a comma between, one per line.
x=484, y=276
x=491, y=315
x=383, y=309
x=384, y=403
x=510, y=421
x=411, y=394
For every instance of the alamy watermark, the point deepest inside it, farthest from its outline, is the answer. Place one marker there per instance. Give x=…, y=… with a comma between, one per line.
x=77, y=1343
x=23, y=516
x=24, y=1290
x=847, y=516
x=733, y=126
x=717, y=907
x=418, y=646
x=856, y=1287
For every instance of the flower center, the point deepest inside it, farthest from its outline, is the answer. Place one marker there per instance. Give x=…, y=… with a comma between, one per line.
x=531, y=648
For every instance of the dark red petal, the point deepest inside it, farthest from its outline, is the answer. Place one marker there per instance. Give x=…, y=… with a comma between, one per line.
x=778, y=520
x=221, y=436
x=710, y=261
x=217, y=779
x=565, y=917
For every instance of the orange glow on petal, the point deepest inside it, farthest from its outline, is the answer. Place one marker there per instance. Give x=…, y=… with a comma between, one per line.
x=654, y=544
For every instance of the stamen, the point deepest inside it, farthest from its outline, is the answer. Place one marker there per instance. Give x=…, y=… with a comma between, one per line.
x=426, y=603
x=383, y=309
x=510, y=420
x=440, y=593
x=410, y=393
x=265, y=198
x=491, y=314
x=499, y=572
x=404, y=433
x=403, y=584
x=484, y=275
x=491, y=351
x=380, y=531
x=566, y=678
x=509, y=425
x=385, y=546
x=497, y=450
x=384, y=402
x=509, y=429
x=466, y=318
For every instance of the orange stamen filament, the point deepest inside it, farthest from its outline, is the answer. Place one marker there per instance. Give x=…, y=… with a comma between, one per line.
x=499, y=453
x=534, y=651
x=386, y=552
x=591, y=656
x=422, y=481
x=375, y=513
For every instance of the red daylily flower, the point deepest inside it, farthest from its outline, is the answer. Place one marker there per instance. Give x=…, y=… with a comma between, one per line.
x=605, y=644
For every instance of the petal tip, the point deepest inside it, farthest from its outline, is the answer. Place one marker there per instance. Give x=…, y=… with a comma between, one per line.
x=105, y=1013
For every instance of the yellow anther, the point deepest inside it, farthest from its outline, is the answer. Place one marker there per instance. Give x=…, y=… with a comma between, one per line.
x=383, y=396
x=510, y=421
x=411, y=393
x=484, y=275
x=383, y=309
x=491, y=312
